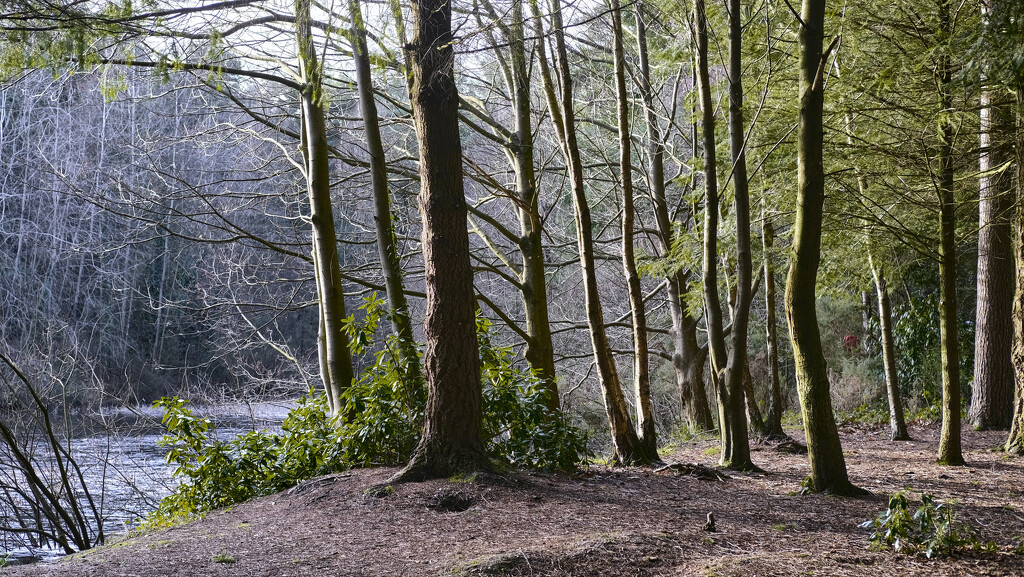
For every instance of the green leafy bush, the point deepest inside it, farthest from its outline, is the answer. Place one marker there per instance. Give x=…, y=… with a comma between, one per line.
x=518, y=424
x=217, y=473
x=379, y=424
x=933, y=529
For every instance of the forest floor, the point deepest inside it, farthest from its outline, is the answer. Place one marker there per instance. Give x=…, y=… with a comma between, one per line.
x=599, y=522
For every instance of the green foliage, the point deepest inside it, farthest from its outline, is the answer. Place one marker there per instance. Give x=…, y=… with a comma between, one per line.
x=866, y=414
x=917, y=340
x=383, y=409
x=520, y=427
x=215, y=473
x=933, y=529
x=379, y=424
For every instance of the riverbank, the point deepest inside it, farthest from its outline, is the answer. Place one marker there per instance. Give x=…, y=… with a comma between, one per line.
x=122, y=463
x=600, y=521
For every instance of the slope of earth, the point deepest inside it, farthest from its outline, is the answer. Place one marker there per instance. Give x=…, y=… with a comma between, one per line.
x=600, y=522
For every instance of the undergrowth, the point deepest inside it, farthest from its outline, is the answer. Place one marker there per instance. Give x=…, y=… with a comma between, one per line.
x=933, y=529
x=379, y=424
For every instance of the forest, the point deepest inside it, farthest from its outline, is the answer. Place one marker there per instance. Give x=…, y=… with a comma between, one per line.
x=495, y=251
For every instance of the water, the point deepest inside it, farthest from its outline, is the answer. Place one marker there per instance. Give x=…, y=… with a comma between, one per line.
x=126, y=471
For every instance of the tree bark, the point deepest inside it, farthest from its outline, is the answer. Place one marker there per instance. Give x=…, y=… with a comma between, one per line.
x=755, y=421
x=646, y=432
x=950, y=451
x=687, y=357
x=726, y=366
x=401, y=324
x=336, y=354
x=992, y=392
x=452, y=440
x=709, y=272
x=773, y=424
x=688, y=360
x=828, y=466
x=897, y=424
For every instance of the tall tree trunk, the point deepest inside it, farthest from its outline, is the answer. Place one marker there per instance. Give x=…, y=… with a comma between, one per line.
x=726, y=366
x=336, y=355
x=828, y=466
x=452, y=440
x=736, y=445
x=773, y=424
x=992, y=393
x=865, y=307
x=1015, y=442
x=950, y=451
x=625, y=442
x=401, y=324
x=540, y=352
x=897, y=424
x=648, y=437
x=709, y=272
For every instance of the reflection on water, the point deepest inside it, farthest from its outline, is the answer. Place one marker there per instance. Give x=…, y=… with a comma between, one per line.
x=126, y=471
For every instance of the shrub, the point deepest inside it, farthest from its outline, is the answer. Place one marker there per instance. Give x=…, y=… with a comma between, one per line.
x=379, y=423
x=518, y=424
x=933, y=529
x=214, y=473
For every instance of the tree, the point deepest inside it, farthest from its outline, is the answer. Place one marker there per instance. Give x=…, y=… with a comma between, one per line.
x=950, y=451
x=897, y=424
x=401, y=324
x=452, y=440
x=688, y=357
x=773, y=423
x=641, y=367
x=1015, y=441
x=828, y=467
x=335, y=356
x=992, y=390
x=727, y=365
x=531, y=277
x=626, y=445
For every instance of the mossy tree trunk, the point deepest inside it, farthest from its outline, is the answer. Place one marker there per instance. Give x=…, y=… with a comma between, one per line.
x=540, y=352
x=773, y=423
x=739, y=384
x=626, y=445
x=709, y=272
x=648, y=437
x=828, y=466
x=1015, y=442
x=727, y=363
x=950, y=450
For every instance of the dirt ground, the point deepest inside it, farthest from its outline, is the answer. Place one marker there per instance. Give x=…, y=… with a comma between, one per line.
x=600, y=522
